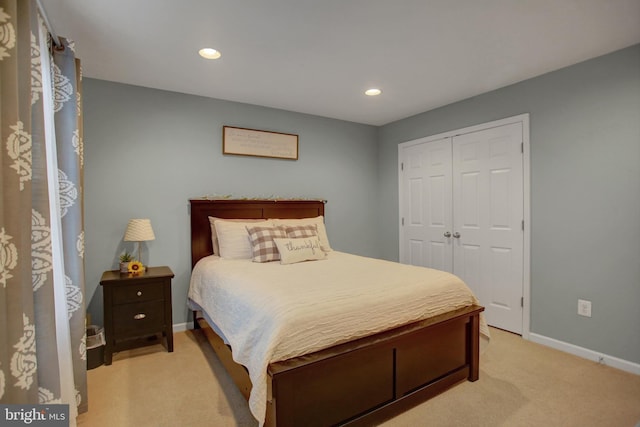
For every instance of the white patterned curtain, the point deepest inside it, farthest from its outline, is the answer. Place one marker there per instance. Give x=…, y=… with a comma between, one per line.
x=42, y=308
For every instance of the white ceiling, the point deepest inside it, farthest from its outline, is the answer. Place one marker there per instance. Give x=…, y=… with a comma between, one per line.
x=319, y=56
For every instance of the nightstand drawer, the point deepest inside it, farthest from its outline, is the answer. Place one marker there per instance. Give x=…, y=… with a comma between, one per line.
x=130, y=320
x=137, y=293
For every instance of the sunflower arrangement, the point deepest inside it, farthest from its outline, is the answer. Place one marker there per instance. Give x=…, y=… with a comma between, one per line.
x=136, y=267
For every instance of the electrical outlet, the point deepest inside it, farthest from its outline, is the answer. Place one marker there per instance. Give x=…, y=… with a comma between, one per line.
x=584, y=308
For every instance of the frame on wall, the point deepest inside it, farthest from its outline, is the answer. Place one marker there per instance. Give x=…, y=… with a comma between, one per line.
x=259, y=143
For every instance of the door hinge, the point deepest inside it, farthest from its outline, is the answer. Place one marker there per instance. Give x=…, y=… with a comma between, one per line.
x=522, y=147
x=403, y=221
x=523, y=225
x=521, y=301
x=402, y=166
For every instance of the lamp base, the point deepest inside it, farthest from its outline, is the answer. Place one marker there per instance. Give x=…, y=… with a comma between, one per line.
x=139, y=259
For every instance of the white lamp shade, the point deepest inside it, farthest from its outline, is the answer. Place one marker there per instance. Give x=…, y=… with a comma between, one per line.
x=139, y=230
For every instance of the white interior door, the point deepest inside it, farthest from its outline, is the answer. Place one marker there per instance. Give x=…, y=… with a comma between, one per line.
x=427, y=218
x=488, y=219
x=469, y=186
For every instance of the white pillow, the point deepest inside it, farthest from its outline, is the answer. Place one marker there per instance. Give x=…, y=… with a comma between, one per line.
x=298, y=250
x=233, y=238
x=319, y=221
x=214, y=234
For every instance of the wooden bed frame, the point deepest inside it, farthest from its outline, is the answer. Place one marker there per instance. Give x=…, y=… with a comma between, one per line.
x=361, y=382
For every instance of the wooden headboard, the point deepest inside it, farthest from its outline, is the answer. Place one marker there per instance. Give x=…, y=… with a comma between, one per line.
x=202, y=209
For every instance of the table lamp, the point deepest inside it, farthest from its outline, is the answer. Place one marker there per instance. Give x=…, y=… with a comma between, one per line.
x=139, y=230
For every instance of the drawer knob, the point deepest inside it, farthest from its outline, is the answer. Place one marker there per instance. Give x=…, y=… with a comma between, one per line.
x=139, y=316
x=139, y=293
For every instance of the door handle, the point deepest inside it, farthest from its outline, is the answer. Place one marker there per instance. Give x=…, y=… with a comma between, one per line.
x=447, y=234
x=456, y=235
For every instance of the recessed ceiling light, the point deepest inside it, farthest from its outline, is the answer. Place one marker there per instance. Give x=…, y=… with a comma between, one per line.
x=209, y=53
x=373, y=92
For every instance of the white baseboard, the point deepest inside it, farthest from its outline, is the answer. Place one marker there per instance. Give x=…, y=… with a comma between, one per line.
x=181, y=327
x=585, y=353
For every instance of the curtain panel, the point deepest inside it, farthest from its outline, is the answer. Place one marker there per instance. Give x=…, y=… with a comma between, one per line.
x=69, y=147
x=42, y=335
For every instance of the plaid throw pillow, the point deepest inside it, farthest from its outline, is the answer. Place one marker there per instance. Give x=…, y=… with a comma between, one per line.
x=298, y=231
x=263, y=247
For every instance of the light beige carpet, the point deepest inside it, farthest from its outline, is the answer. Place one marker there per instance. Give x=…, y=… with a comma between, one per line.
x=521, y=384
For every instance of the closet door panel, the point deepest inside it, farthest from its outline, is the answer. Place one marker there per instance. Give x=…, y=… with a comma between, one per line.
x=426, y=183
x=487, y=214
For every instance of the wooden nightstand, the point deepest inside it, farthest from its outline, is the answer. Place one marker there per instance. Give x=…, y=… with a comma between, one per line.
x=136, y=307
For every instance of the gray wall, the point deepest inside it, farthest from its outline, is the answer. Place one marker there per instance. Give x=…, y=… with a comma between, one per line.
x=585, y=194
x=148, y=151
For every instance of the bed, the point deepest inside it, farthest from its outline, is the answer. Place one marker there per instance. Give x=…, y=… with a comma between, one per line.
x=356, y=382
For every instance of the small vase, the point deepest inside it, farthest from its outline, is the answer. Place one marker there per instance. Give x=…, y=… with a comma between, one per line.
x=124, y=267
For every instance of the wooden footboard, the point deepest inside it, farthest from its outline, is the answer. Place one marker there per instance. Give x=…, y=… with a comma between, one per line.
x=360, y=382
x=367, y=380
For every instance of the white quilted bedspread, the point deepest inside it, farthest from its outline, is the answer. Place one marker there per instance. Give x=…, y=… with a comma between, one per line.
x=270, y=312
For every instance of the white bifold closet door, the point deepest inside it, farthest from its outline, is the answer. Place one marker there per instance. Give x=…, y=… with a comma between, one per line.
x=462, y=211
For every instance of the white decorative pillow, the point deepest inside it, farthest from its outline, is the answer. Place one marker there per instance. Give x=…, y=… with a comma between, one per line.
x=298, y=250
x=214, y=234
x=262, y=245
x=318, y=221
x=233, y=239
